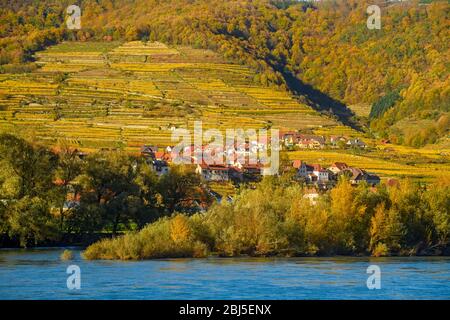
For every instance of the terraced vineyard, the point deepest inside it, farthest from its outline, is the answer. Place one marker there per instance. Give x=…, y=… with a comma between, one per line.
x=95, y=95
x=426, y=170
x=98, y=95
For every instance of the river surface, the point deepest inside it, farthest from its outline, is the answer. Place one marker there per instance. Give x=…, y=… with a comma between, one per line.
x=40, y=274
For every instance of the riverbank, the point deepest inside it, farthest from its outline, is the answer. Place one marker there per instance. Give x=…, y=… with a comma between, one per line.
x=405, y=219
x=41, y=274
x=401, y=220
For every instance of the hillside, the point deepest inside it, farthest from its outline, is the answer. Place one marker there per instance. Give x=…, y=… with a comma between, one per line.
x=98, y=95
x=322, y=52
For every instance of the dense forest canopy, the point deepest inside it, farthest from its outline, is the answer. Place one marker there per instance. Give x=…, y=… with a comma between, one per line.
x=326, y=45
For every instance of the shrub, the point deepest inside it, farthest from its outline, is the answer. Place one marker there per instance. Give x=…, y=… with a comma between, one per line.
x=166, y=238
x=403, y=219
x=67, y=255
x=381, y=250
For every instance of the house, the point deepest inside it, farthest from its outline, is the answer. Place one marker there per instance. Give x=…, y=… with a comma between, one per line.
x=373, y=179
x=161, y=156
x=310, y=142
x=71, y=204
x=242, y=170
x=311, y=173
x=356, y=143
x=158, y=155
x=358, y=176
x=322, y=175
x=337, y=141
x=304, y=141
x=236, y=174
x=338, y=167
x=297, y=164
x=149, y=151
x=169, y=149
x=252, y=172
x=289, y=138
x=219, y=173
x=303, y=170
x=189, y=154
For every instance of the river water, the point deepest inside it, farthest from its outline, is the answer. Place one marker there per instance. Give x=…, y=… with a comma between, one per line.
x=40, y=274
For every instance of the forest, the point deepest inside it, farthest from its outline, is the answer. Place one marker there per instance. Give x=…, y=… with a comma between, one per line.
x=401, y=70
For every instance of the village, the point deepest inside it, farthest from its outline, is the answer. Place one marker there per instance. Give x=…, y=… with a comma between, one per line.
x=240, y=170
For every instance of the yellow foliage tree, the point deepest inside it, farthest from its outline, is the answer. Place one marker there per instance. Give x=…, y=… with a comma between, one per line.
x=180, y=230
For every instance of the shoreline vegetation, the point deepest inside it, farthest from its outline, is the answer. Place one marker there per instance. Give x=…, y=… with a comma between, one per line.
x=274, y=219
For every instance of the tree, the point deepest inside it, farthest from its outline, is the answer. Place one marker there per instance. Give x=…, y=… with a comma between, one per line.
x=345, y=213
x=30, y=220
x=180, y=188
x=108, y=187
x=438, y=209
x=68, y=169
x=149, y=203
x=31, y=167
x=386, y=232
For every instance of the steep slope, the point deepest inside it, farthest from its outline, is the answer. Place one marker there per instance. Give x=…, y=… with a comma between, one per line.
x=96, y=94
x=322, y=51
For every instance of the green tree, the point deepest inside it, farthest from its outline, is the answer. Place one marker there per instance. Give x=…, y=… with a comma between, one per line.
x=108, y=186
x=68, y=169
x=30, y=220
x=180, y=188
x=31, y=167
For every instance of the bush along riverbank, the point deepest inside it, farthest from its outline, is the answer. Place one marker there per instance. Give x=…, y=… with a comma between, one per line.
x=276, y=218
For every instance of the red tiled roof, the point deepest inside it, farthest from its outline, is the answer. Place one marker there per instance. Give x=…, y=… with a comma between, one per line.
x=159, y=154
x=340, y=165
x=167, y=156
x=219, y=168
x=59, y=182
x=297, y=163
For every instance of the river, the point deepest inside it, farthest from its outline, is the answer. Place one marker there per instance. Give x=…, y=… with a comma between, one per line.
x=40, y=274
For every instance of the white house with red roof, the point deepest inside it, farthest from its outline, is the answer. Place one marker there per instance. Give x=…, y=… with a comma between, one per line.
x=338, y=167
x=314, y=173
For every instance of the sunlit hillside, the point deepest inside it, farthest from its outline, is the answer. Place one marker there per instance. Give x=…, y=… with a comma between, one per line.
x=97, y=95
